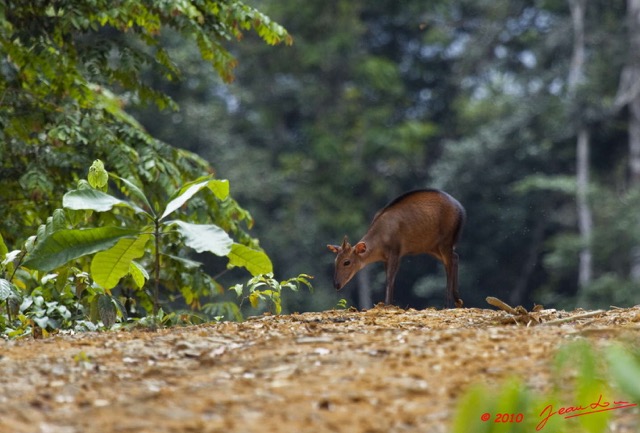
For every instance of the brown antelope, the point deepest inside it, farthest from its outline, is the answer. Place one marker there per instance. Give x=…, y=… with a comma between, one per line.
x=425, y=221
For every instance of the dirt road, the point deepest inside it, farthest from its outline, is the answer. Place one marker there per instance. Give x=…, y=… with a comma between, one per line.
x=381, y=370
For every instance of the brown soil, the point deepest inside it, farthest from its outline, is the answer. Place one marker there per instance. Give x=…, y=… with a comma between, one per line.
x=381, y=370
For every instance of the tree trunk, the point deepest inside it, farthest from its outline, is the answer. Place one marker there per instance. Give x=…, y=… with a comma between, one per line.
x=576, y=71
x=585, y=220
x=576, y=76
x=365, y=300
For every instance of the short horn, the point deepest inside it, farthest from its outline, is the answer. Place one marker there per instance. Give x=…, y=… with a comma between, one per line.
x=345, y=242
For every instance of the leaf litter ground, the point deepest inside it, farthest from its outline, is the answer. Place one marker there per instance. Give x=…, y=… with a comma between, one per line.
x=380, y=370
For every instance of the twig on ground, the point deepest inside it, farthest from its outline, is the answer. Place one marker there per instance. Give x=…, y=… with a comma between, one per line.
x=501, y=305
x=574, y=317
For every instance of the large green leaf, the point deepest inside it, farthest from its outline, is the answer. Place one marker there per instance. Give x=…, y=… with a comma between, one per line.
x=5, y=289
x=204, y=237
x=219, y=187
x=108, y=267
x=136, y=192
x=92, y=199
x=3, y=248
x=256, y=262
x=138, y=273
x=63, y=246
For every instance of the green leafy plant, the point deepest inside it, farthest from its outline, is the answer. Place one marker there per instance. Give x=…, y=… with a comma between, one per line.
x=342, y=304
x=9, y=294
x=71, y=75
x=265, y=288
x=139, y=229
x=48, y=302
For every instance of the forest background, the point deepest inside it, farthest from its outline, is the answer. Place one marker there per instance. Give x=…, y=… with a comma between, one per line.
x=528, y=112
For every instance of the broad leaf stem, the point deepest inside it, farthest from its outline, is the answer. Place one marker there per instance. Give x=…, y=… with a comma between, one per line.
x=156, y=276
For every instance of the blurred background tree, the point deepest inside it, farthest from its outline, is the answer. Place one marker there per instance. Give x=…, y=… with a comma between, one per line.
x=475, y=97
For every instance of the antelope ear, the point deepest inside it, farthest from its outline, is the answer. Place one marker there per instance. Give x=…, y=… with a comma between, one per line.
x=360, y=247
x=334, y=248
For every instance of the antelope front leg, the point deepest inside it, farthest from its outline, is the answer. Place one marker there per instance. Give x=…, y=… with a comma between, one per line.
x=391, y=266
x=454, y=280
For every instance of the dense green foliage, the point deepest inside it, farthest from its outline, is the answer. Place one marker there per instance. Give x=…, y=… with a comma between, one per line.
x=71, y=69
x=70, y=73
x=130, y=237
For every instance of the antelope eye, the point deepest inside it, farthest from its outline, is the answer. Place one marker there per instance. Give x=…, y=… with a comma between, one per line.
x=347, y=262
